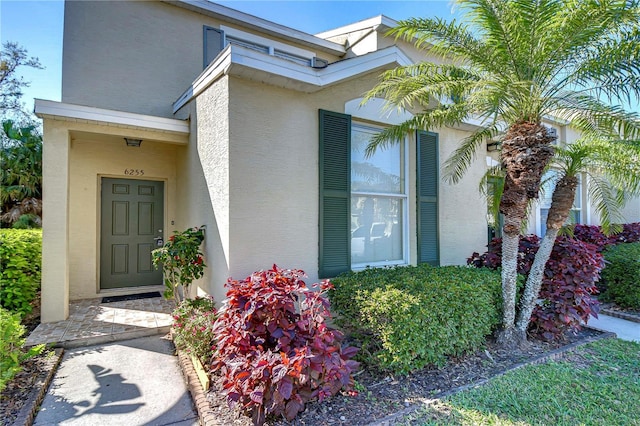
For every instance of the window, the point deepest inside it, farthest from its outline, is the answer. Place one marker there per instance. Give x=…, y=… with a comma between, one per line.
x=363, y=216
x=495, y=219
x=378, y=202
x=548, y=186
x=249, y=45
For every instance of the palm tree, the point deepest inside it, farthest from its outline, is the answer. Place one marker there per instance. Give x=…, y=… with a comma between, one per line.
x=21, y=176
x=510, y=64
x=612, y=169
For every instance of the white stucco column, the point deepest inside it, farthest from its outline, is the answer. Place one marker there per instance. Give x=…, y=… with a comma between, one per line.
x=55, y=222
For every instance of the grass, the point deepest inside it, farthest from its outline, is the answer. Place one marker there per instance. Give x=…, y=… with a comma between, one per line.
x=598, y=384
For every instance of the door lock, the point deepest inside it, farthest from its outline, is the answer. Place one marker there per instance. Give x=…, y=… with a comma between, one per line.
x=159, y=241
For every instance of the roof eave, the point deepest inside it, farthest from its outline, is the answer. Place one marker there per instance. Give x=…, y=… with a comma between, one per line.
x=262, y=25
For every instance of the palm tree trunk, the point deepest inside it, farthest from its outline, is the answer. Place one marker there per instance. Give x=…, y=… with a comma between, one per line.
x=526, y=150
x=534, y=280
x=561, y=204
x=510, y=244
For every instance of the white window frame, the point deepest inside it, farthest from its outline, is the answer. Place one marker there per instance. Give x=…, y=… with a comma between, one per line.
x=404, y=197
x=271, y=45
x=579, y=194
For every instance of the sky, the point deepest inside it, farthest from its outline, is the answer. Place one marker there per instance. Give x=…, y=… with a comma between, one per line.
x=37, y=26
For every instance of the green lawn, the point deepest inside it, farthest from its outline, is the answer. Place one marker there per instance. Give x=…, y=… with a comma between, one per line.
x=598, y=384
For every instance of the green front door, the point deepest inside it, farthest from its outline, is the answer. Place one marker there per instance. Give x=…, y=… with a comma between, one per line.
x=132, y=221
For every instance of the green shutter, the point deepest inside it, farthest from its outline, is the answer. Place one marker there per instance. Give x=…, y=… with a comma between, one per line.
x=428, y=179
x=335, y=194
x=213, y=44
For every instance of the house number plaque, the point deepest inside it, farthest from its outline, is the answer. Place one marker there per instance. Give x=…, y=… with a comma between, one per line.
x=134, y=172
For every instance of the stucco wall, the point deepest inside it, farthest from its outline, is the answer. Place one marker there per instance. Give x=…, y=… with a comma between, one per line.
x=203, y=183
x=273, y=180
x=631, y=211
x=135, y=56
x=93, y=157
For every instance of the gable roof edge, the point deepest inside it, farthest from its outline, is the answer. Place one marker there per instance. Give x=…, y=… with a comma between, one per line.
x=235, y=60
x=267, y=27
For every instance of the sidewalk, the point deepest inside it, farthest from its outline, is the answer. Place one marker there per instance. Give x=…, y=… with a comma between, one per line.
x=132, y=382
x=625, y=330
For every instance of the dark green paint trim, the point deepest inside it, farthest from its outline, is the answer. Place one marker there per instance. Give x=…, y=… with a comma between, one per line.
x=334, y=243
x=427, y=140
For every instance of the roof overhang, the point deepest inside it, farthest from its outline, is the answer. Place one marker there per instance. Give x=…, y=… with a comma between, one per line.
x=119, y=122
x=252, y=65
x=379, y=23
x=258, y=24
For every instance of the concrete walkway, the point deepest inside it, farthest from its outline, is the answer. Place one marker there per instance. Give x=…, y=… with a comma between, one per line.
x=625, y=330
x=132, y=382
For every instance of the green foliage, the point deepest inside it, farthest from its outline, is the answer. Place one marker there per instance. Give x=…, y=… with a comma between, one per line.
x=193, y=327
x=20, y=259
x=13, y=56
x=621, y=275
x=11, y=342
x=409, y=317
x=21, y=176
x=181, y=260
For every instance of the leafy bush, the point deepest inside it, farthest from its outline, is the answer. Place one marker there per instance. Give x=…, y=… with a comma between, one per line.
x=181, y=261
x=571, y=273
x=592, y=234
x=20, y=260
x=275, y=351
x=409, y=317
x=622, y=275
x=193, y=327
x=11, y=342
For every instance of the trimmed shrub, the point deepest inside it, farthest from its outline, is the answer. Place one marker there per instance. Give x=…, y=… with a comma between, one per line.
x=409, y=317
x=275, y=351
x=622, y=275
x=20, y=263
x=11, y=342
x=569, y=282
x=192, y=327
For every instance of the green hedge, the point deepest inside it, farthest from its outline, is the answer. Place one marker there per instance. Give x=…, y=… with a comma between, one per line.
x=408, y=317
x=20, y=262
x=12, y=353
x=621, y=276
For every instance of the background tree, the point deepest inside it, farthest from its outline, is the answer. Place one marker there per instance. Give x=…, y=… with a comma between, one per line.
x=510, y=64
x=21, y=176
x=21, y=161
x=13, y=56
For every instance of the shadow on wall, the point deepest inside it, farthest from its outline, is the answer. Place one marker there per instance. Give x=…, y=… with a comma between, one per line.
x=196, y=208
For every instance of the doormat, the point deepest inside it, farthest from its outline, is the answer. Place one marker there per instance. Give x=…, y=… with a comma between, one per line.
x=111, y=299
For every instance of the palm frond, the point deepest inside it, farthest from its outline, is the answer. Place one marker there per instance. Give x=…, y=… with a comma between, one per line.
x=460, y=160
x=607, y=202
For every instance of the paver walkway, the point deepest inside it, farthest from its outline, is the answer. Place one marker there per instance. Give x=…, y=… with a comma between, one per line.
x=91, y=322
x=132, y=382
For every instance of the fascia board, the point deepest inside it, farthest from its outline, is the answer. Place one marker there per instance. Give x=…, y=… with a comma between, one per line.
x=262, y=25
x=350, y=28
x=380, y=22
x=237, y=60
x=46, y=108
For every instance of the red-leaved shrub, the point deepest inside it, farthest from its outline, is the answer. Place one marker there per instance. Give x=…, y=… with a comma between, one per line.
x=275, y=351
x=569, y=282
x=592, y=234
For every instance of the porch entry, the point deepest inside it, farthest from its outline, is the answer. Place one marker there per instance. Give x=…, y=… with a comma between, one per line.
x=132, y=220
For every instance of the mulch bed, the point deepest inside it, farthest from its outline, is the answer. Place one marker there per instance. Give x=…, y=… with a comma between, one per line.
x=383, y=394
x=20, y=399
